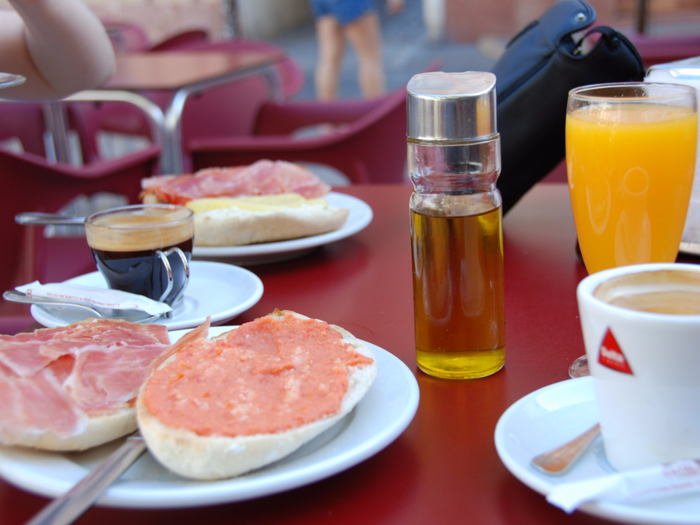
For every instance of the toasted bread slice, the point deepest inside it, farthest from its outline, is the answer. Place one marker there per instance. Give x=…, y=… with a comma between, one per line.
x=252, y=220
x=192, y=455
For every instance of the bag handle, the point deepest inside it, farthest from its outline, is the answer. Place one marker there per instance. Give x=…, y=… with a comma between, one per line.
x=614, y=39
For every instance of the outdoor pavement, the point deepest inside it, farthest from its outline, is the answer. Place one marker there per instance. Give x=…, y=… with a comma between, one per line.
x=408, y=50
x=406, y=47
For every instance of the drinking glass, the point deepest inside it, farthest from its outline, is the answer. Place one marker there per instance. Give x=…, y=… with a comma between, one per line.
x=630, y=158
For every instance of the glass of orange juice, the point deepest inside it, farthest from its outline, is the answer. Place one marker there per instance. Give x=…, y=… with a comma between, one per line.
x=630, y=158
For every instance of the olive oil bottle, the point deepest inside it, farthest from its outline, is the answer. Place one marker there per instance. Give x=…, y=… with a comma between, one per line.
x=455, y=221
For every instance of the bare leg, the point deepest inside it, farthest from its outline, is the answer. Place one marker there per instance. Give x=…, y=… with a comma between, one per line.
x=330, y=55
x=365, y=37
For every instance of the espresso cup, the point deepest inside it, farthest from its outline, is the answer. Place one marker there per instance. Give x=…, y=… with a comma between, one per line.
x=143, y=249
x=641, y=329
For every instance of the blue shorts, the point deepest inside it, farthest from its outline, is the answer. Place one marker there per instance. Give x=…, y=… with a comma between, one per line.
x=345, y=11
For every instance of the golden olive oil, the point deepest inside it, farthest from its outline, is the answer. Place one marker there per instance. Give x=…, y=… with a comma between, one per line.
x=458, y=294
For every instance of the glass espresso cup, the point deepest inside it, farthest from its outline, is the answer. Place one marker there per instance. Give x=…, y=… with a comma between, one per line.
x=143, y=249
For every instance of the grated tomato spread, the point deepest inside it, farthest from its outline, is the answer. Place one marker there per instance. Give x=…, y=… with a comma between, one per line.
x=267, y=376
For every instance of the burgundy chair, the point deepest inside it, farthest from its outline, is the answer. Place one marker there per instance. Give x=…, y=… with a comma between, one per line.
x=663, y=49
x=91, y=112
x=364, y=139
x=23, y=123
x=31, y=183
x=183, y=40
x=126, y=37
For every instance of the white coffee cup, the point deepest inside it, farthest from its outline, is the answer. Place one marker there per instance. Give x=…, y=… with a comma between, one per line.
x=645, y=364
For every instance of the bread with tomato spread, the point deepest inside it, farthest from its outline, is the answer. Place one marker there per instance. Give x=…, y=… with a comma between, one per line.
x=217, y=408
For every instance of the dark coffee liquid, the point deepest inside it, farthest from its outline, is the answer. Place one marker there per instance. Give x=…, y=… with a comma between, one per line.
x=143, y=272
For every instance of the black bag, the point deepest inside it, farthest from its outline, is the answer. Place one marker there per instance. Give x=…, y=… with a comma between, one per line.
x=533, y=78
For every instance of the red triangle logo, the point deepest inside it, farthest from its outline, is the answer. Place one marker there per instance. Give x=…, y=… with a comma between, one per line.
x=611, y=355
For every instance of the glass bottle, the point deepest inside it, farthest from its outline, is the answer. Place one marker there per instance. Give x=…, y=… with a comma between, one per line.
x=456, y=234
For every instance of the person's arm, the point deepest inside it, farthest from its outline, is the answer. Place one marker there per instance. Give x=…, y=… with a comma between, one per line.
x=60, y=46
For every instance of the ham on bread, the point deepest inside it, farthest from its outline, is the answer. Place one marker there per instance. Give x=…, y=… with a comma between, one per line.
x=264, y=177
x=217, y=408
x=73, y=387
x=264, y=202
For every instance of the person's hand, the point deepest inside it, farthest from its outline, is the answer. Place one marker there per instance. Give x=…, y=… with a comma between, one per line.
x=394, y=6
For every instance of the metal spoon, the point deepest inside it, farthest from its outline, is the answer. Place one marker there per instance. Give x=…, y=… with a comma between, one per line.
x=19, y=297
x=560, y=459
x=67, y=508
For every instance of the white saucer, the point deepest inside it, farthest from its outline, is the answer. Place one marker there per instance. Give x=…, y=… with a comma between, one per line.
x=221, y=291
x=381, y=416
x=359, y=217
x=555, y=414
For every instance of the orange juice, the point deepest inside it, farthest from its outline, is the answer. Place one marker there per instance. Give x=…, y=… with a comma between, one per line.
x=631, y=169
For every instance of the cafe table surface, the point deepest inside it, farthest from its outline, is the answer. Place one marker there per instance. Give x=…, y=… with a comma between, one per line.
x=173, y=70
x=444, y=468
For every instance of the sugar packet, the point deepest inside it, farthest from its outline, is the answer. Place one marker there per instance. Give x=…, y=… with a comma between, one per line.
x=672, y=479
x=100, y=298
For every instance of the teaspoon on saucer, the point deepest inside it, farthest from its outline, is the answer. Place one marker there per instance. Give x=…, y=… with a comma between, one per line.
x=19, y=297
x=559, y=460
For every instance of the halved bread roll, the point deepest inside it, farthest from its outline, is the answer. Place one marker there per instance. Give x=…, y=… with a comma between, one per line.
x=269, y=218
x=197, y=448
x=95, y=430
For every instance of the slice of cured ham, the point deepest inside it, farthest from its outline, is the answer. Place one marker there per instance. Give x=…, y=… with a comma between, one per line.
x=54, y=380
x=264, y=177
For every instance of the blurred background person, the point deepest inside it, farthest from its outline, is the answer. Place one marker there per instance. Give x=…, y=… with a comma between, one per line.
x=60, y=46
x=356, y=21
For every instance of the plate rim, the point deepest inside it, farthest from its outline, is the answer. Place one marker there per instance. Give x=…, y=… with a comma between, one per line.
x=293, y=245
x=41, y=316
x=541, y=483
x=199, y=493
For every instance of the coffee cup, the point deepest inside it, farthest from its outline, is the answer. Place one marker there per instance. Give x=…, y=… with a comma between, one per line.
x=641, y=329
x=143, y=249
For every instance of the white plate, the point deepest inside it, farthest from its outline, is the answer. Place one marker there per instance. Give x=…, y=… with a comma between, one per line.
x=359, y=217
x=555, y=414
x=219, y=290
x=381, y=416
x=690, y=248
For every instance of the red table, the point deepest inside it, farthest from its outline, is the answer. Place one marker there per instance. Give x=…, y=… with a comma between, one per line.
x=444, y=468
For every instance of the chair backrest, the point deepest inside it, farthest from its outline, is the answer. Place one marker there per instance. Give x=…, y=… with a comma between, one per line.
x=88, y=119
x=22, y=123
x=183, y=40
x=370, y=148
x=33, y=184
x=658, y=49
x=230, y=109
x=126, y=37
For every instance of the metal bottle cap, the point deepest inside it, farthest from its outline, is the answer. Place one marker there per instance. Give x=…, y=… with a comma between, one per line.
x=452, y=106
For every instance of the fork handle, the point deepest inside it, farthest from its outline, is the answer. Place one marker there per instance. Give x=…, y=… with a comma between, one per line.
x=67, y=508
x=48, y=219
